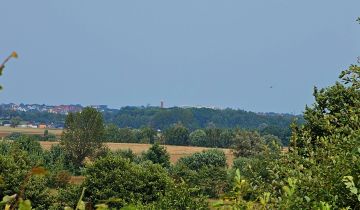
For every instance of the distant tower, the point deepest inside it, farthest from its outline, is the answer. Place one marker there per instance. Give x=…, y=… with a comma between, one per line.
x=161, y=104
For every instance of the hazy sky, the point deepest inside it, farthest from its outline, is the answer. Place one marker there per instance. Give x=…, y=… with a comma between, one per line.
x=189, y=52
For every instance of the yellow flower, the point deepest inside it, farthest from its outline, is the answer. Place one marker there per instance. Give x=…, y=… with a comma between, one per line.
x=14, y=55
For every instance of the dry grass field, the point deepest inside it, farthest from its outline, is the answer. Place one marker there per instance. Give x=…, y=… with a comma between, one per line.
x=5, y=131
x=176, y=152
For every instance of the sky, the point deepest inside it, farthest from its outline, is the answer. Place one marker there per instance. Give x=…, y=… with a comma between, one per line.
x=258, y=55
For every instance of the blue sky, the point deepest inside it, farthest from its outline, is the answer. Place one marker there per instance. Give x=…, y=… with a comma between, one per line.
x=198, y=52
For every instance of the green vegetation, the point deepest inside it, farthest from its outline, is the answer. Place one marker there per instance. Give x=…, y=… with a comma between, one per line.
x=320, y=171
x=147, y=120
x=83, y=135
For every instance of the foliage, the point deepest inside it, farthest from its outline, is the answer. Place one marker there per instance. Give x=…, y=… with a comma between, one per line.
x=83, y=135
x=158, y=154
x=177, y=135
x=248, y=143
x=117, y=181
x=12, y=173
x=38, y=193
x=316, y=172
x=197, y=138
x=148, y=135
x=126, y=154
x=212, y=157
x=205, y=171
x=68, y=196
x=15, y=121
x=57, y=159
x=59, y=179
x=180, y=197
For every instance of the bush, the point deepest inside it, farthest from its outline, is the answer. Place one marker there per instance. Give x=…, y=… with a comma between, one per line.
x=212, y=157
x=12, y=173
x=205, y=171
x=126, y=154
x=38, y=193
x=158, y=155
x=118, y=182
x=180, y=197
x=68, y=196
x=59, y=179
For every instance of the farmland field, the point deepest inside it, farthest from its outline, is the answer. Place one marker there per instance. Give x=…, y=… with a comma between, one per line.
x=5, y=131
x=175, y=152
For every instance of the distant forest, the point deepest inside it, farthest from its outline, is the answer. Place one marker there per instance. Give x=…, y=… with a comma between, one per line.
x=191, y=118
x=162, y=118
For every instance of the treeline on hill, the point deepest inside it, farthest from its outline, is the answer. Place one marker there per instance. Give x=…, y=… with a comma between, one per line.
x=134, y=122
x=178, y=134
x=321, y=170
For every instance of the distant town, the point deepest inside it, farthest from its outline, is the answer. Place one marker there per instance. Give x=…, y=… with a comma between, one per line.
x=8, y=120
x=57, y=109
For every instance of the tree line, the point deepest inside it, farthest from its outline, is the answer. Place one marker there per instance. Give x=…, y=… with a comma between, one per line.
x=178, y=134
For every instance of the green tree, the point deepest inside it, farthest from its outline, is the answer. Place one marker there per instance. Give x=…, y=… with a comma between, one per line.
x=83, y=135
x=248, y=143
x=118, y=182
x=226, y=138
x=213, y=137
x=15, y=121
x=126, y=135
x=198, y=138
x=111, y=133
x=148, y=135
x=158, y=154
x=177, y=135
x=323, y=157
x=336, y=111
x=204, y=170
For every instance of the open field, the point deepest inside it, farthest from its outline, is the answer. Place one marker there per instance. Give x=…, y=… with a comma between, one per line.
x=176, y=152
x=5, y=131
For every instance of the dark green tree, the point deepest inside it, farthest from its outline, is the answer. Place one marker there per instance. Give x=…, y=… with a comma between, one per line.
x=148, y=135
x=248, y=143
x=83, y=135
x=335, y=111
x=198, y=138
x=213, y=137
x=15, y=121
x=118, y=182
x=177, y=135
x=158, y=154
x=204, y=170
x=111, y=133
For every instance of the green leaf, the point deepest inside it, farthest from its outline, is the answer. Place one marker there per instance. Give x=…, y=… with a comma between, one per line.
x=24, y=205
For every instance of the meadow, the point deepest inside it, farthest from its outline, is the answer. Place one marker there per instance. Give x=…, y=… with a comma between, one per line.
x=176, y=152
x=5, y=131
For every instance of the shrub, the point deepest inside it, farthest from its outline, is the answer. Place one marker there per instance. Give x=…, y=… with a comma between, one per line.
x=212, y=157
x=59, y=179
x=119, y=182
x=158, y=154
x=205, y=171
x=127, y=154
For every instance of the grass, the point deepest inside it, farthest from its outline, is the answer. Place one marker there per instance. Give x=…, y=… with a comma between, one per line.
x=5, y=131
x=176, y=152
